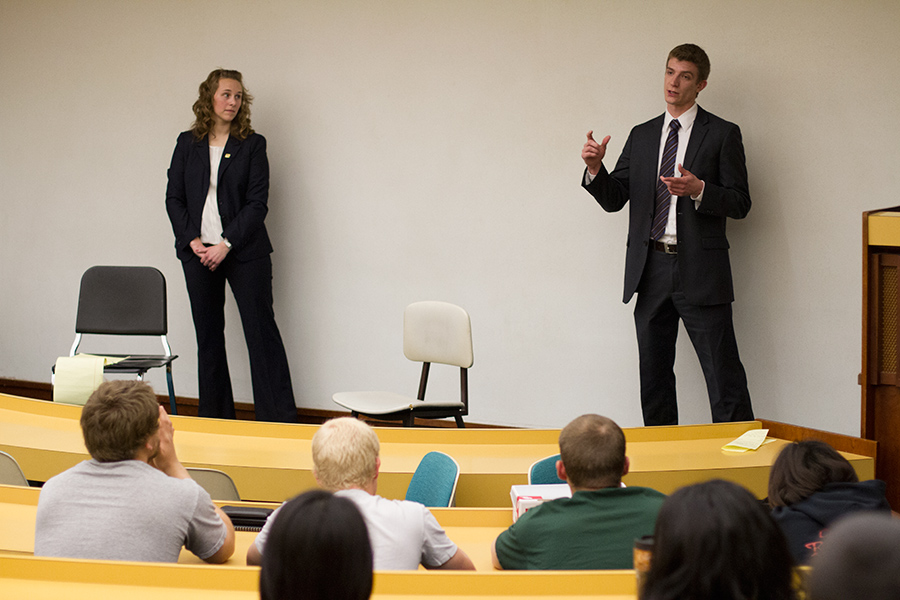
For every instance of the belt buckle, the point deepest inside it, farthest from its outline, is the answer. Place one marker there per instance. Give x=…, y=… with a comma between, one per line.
x=665, y=247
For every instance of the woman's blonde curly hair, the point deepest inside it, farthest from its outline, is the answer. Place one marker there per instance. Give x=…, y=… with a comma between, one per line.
x=203, y=107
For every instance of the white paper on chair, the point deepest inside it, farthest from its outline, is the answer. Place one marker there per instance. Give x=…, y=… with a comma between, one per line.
x=76, y=377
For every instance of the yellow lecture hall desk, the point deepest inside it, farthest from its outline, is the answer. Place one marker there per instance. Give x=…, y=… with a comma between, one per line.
x=23, y=575
x=272, y=462
x=473, y=529
x=48, y=578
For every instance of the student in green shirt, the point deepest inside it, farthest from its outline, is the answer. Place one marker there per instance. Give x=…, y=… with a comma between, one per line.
x=597, y=526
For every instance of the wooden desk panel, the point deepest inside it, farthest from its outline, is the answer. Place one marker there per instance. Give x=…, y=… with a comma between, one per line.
x=39, y=578
x=272, y=462
x=49, y=579
x=473, y=529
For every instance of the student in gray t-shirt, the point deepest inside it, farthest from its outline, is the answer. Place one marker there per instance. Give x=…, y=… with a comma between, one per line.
x=133, y=500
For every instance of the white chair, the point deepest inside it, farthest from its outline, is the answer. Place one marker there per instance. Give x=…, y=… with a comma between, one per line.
x=10, y=471
x=218, y=484
x=433, y=332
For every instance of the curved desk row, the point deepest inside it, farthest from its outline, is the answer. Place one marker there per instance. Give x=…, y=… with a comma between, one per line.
x=473, y=529
x=272, y=462
x=25, y=576
x=50, y=579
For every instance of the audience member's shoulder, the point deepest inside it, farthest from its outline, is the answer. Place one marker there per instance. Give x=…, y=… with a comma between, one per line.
x=646, y=491
x=177, y=490
x=405, y=506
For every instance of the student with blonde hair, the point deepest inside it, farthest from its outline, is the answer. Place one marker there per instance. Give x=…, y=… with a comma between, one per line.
x=403, y=534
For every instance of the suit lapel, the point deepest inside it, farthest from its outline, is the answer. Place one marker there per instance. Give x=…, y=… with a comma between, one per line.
x=232, y=147
x=698, y=132
x=201, y=152
x=649, y=147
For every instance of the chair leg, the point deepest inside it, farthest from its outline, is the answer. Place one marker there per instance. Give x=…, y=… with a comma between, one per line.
x=459, y=422
x=173, y=407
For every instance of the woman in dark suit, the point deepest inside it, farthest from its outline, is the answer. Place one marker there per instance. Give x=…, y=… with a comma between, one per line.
x=217, y=202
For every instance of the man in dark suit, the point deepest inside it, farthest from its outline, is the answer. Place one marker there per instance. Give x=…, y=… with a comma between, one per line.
x=684, y=174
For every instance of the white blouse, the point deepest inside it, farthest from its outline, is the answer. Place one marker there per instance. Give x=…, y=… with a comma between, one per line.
x=211, y=222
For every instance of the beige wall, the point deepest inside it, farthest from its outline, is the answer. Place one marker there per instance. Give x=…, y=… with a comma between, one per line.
x=430, y=150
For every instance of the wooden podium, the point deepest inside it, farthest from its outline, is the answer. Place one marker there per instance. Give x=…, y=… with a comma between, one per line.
x=880, y=376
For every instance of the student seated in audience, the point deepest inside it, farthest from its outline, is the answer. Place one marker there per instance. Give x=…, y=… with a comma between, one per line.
x=318, y=549
x=403, y=534
x=716, y=541
x=597, y=526
x=133, y=500
x=811, y=485
x=859, y=559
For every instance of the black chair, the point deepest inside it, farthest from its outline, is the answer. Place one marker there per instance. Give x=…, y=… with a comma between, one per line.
x=128, y=301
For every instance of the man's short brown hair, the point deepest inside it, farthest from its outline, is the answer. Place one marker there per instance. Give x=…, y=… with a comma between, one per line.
x=119, y=418
x=693, y=54
x=592, y=449
x=345, y=453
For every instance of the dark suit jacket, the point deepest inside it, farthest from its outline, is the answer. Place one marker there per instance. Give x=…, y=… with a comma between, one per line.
x=242, y=190
x=714, y=154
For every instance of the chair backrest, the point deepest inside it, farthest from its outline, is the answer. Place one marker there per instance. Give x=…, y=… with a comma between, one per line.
x=437, y=332
x=10, y=472
x=217, y=483
x=435, y=479
x=122, y=301
x=544, y=471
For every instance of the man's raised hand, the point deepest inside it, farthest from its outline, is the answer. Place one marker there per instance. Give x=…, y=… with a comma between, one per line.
x=592, y=153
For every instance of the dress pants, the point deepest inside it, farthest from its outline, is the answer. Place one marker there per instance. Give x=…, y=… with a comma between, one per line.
x=251, y=284
x=660, y=304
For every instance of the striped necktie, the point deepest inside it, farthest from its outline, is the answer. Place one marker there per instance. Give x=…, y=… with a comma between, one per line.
x=666, y=169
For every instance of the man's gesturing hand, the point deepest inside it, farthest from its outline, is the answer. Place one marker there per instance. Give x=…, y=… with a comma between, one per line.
x=686, y=185
x=592, y=153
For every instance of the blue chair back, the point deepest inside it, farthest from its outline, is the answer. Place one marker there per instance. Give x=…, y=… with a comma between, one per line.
x=544, y=471
x=434, y=482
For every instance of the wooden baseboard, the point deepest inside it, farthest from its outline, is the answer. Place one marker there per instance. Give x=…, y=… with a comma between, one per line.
x=244, y=410
x=844, y=443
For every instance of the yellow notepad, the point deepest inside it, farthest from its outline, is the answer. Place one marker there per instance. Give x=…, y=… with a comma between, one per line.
x=750, y=440
x=76, y=377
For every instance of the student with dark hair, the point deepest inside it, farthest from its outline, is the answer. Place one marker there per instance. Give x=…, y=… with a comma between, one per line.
x=318, y=549
x=715, y=541
x=810, y=486
x=860, y=560
x=597, y=526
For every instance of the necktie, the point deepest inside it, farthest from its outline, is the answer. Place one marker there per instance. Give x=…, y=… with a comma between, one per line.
x=666, y=169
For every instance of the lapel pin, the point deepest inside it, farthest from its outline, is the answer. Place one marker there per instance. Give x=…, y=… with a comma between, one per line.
x=228, y=156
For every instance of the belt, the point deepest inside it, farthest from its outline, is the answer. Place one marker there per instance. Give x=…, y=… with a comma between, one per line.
x=664, y=247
